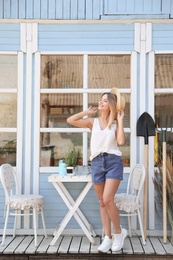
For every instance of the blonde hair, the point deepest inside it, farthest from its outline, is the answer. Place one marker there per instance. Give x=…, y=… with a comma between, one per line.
x=112, y=100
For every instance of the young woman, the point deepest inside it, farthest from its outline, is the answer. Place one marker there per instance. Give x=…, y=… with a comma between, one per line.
x=106, y=162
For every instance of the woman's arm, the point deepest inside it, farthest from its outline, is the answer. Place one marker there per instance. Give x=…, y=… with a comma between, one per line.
x=120, y=135
x=78, y=120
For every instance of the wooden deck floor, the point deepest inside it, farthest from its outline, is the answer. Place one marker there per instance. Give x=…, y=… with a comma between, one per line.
x=78, y=247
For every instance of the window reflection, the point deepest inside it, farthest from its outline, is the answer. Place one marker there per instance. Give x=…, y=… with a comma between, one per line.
x=55, y=146
x=108, y=71
x=55, y=108
x=164, y=119
x=62, y=71
x=8, y=148
x=8, y=108
x=164, y=71
x=8, y=71
x=163, y=103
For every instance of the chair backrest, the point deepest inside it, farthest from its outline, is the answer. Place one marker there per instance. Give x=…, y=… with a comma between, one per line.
x=136, y=180
x=8, y=180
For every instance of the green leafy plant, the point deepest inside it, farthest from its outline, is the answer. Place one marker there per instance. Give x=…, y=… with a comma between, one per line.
x=9, y=147
x=72, y=157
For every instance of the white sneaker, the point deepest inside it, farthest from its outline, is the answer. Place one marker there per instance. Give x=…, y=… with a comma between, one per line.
x=118, y=240
x=105, y=245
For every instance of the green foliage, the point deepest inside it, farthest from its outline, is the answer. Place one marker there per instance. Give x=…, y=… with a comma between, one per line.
x=72, y=157
x=9, y=147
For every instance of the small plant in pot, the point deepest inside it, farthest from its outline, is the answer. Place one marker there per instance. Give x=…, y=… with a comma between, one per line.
x=71, y=159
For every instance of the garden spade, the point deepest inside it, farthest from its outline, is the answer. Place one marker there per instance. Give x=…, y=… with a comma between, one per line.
x=145, y=128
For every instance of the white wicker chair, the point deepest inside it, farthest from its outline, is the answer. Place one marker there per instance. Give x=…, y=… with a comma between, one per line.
x=17, y=204
x=129, y=202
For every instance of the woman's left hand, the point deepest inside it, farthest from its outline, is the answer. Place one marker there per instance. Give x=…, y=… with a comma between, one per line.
x=120, y=115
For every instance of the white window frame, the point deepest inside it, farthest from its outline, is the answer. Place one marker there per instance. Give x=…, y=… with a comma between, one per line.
x=39, y=91
x=19, y=127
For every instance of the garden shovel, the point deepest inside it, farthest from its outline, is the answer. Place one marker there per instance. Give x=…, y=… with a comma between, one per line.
x=145, y=128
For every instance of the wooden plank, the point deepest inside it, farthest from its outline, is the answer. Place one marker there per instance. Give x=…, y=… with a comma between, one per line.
x=166, y=6
x=37, y=7
x=157, y=246
x=54, y=249
x=59, y=9
x=66, y=9
x=89, y=10
x=7, y=7
x=74, y=10
x=14, y=9
x=96, y=10
x=13, y=245
x=65, y=244
x=23, y=245
x=85, y=245
x=51, y=9
x=44, y=8
x=75, y=244
x=168, y=247
x=44, y=245
x=81, y=9
x=8, y=240
x=127, y=248
x=22, y=13
x=94, y=248
x=1, y=10
x=31, y=248
x=136, y=245
x=148, y=248
x=29, y=9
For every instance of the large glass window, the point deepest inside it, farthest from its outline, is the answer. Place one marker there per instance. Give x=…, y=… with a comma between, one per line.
x=164, y=101
x=8, y=108
x=69, y=84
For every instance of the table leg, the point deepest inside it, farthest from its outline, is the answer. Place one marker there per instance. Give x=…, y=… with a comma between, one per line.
x=72, y=211
x=81, y=215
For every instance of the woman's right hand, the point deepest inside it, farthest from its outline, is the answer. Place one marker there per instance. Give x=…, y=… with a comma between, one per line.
x=92, y=110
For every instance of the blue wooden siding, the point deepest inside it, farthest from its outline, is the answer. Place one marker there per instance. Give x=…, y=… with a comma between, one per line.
x=9, y=37
x=55, y=209
x=162, y=37
x=137, y=7
x=86, y=37
x=83, y=9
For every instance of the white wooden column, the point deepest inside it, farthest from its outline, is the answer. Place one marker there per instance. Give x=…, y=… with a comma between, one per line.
x=28, y=43
x=145, y=90
x=36, y=132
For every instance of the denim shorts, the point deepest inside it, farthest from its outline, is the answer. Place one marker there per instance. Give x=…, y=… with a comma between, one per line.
x=106, y=166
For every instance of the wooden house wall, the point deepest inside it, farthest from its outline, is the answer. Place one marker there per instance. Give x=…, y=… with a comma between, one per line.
x=85, y=9
x=9, y=37
x=81, y=37
x=86, y=37
x=162, y=37
x=55, y=209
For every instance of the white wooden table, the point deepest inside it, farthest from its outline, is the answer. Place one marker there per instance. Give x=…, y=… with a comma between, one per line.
x=72, y=205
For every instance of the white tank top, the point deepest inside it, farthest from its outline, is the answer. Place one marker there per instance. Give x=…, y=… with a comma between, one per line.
x=103, y=141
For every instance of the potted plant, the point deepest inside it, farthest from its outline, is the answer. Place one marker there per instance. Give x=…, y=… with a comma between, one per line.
x=8, y=152
x=71, y=159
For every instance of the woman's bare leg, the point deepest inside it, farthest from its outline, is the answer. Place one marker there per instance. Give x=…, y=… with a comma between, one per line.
x=106, y=222
x=109, y=192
